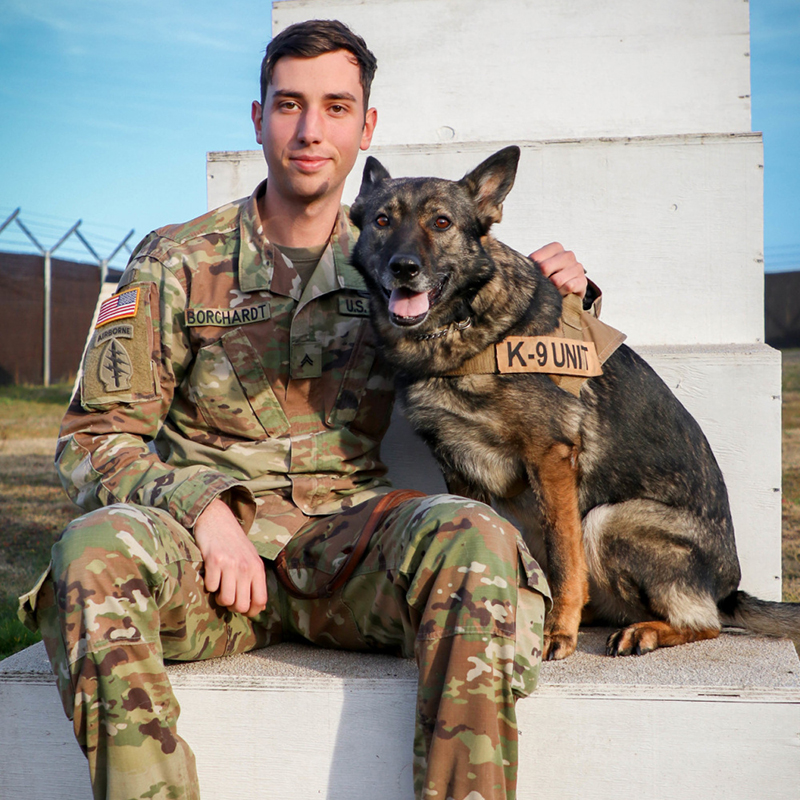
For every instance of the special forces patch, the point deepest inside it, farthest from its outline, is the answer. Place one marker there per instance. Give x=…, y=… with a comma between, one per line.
x=115, y=368
x=117, y=364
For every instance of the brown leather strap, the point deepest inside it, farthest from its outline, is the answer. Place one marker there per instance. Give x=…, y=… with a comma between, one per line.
x=385, y=504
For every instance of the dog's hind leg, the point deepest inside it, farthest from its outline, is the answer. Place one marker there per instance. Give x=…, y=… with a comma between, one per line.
x=644, y=637
x=659, y=567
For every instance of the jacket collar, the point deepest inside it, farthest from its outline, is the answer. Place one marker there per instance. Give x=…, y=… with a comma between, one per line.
x=262, y=266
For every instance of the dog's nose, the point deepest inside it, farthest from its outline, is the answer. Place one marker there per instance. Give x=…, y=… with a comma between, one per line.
x=404, y=267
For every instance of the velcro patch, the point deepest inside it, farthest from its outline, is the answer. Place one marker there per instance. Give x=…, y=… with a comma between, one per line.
x=115, y=368
x=122, y=305
x=117, y=364
x=123, y=331
x=550, y=354
x=354, y=306
x=306, y=360
x=227, y=317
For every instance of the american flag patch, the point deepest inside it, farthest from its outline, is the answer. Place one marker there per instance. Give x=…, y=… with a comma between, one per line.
x=120, y=306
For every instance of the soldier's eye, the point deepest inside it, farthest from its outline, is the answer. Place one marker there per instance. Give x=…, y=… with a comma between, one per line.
x=382, y=221
x=442, y=223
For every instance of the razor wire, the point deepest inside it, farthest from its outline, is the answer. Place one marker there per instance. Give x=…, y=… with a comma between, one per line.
x=47, y=254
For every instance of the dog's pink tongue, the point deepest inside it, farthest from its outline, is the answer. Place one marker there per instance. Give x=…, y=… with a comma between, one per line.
x=405, y=303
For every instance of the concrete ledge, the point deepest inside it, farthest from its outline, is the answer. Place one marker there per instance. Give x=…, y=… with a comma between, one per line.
x=716, y=719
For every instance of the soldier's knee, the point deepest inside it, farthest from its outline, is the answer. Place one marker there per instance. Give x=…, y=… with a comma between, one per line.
x=474, y=528
x=118, y=533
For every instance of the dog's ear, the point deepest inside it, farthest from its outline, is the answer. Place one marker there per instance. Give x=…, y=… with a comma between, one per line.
x=374, y=173
x=490, y=182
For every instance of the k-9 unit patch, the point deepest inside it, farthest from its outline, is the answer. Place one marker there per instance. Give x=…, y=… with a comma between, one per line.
x=550, y=354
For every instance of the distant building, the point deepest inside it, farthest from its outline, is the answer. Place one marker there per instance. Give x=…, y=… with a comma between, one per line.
x=782, y=309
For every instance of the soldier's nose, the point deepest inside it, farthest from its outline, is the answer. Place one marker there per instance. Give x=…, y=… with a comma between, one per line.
x=404, y=266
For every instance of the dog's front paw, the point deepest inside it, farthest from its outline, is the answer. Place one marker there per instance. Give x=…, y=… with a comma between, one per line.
x=558, y=646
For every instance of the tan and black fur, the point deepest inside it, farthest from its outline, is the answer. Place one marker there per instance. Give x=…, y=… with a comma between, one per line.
x=625, y=504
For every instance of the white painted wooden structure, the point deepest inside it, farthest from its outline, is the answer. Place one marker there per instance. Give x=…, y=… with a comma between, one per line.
x=711, y=721
x=634, y=120
x=471, y=70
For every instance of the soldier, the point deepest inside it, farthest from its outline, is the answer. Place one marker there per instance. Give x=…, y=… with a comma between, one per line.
x=224, y=442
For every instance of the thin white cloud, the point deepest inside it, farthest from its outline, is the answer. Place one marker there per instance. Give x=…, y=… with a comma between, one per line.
x=141, y=22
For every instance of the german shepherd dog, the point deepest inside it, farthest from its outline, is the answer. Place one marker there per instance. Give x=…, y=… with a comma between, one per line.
x=624, y=503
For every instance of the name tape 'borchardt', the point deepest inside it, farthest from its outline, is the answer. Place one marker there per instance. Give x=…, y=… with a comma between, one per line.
x=226, y=317
x=550, y=354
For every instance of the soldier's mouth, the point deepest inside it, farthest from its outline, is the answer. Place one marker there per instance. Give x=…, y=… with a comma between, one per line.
x=407, y=307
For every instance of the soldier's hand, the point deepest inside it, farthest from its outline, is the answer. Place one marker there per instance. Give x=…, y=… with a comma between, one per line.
x=233, y=568
x=562, y=268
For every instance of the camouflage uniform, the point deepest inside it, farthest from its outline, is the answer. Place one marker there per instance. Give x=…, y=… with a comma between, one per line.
x=268, y=395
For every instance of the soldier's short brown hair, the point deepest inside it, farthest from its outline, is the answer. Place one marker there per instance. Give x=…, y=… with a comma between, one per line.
x=315, y=37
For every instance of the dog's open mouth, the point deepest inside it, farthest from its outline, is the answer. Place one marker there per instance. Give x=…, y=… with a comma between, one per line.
x=408, y=307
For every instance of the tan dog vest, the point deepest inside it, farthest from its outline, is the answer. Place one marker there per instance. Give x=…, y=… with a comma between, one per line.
x=573, y=352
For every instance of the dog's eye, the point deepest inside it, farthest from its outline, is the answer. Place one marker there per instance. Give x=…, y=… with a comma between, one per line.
x=382, y=221
x=442, y=223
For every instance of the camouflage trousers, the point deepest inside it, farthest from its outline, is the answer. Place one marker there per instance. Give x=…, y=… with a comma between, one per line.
x=444, y=580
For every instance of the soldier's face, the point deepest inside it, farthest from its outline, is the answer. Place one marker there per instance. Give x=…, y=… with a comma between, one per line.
x=312, y=125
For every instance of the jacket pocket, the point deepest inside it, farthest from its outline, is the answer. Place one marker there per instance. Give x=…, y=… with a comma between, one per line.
x=364, y=399
x=232, y=392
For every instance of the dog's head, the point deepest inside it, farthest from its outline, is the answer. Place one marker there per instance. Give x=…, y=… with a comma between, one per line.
x=420, y=249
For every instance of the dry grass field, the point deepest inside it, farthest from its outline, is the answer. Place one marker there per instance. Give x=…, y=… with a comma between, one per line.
x=34, y=509
x=33, y=506
x=791, y=475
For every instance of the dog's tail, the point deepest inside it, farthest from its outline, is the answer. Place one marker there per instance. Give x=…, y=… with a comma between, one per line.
x=760, y=616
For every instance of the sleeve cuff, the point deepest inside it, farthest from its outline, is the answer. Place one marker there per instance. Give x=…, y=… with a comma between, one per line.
x=188, y=501
x=593, y=299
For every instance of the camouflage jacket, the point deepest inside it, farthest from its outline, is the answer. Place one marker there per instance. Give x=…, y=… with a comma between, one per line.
x=214, y=373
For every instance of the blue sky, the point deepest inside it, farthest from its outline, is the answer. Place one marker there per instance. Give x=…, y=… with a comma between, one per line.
x=107, y=110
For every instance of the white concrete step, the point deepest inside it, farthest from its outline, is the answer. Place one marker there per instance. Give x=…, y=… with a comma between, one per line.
x=718, y=719
x=670, y=227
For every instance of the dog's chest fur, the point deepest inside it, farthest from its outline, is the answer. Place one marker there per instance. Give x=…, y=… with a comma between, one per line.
x=481, y=426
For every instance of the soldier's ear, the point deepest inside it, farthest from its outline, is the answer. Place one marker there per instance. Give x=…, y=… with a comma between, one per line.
x=374, y=174
x=490, y=182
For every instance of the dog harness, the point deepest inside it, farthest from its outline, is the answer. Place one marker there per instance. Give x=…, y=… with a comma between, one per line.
x=572, y=353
